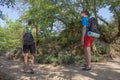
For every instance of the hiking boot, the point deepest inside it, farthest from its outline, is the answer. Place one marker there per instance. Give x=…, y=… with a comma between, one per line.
x=87, y=69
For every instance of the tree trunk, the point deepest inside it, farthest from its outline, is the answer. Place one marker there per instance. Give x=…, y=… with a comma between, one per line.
x=95, y=10
x=119, y=27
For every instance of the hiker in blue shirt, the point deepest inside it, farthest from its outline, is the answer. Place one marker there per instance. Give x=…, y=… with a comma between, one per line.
x=86, y=40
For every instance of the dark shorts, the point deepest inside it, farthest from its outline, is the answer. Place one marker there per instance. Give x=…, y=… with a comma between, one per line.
x=29, y=48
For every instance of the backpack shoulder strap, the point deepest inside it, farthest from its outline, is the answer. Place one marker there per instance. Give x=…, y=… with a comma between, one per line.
x=29, y=28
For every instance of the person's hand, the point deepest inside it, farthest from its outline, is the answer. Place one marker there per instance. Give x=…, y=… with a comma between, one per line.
x=82, y=42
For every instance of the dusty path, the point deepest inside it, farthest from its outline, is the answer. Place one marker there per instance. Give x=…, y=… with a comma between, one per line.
x=102, y=71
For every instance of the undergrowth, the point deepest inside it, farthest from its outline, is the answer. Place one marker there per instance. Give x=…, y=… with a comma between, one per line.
x=63, y=58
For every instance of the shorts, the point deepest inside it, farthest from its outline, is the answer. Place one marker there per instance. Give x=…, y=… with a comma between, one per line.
x=29, y=48
x=88, y=41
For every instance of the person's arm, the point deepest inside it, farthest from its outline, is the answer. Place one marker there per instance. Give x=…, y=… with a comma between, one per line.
x=83, y=35
x=83, y=31
x=35, y=34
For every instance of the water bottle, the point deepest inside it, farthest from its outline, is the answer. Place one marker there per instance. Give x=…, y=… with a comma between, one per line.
x=96, y=35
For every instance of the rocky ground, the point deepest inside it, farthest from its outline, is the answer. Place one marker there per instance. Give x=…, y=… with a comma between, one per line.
x=12, y=70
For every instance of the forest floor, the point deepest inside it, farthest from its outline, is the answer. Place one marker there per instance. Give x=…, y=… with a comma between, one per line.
x=10, y=69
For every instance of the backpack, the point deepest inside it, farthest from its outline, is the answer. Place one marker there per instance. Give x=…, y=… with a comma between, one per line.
x=93, y=25
x=28, y=37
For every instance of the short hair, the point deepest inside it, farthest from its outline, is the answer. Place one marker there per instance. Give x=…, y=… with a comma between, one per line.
x=85, y=12
x=30, y=22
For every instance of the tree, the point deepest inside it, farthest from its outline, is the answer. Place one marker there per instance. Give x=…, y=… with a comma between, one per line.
x=47, y=12
x=8, y=3
x=115, y=8
x=53, y=15
x=11, y=35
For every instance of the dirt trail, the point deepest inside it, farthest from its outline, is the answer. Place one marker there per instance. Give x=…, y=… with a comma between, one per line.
x=102, y=71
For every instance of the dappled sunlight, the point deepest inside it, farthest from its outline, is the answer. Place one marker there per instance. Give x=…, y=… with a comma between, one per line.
x=15, y=66
x=94, y=74
x=59, y=30
x=103, y=71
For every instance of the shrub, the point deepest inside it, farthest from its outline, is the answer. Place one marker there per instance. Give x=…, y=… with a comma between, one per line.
x=96, y=58
x=64, y=58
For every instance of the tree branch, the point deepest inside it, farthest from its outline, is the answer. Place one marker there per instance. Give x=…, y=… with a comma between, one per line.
x=94, y=10
x=61, y=20
x=103, y=20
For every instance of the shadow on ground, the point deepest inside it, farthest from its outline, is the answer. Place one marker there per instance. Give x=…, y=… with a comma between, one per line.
x=101, y=71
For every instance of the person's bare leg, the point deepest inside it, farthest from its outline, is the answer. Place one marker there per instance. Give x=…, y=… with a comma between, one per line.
x=25, y=55
x=32, y=62
x=85, y=52
x=88, y=56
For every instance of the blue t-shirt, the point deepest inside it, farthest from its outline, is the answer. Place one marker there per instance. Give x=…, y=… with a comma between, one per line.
x=85, y=22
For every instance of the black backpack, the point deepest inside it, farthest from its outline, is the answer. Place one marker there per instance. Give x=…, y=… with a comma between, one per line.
x=28, y=37
x=93, y=25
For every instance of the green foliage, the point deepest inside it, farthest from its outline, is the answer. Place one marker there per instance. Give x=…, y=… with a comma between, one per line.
x=109, y=32
x=10, y=36
x=64, y=58
x=96, y=58
x=47, y=13
x=104, y=50
x=58, y=21
x=61, y=58
x=50, y=15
